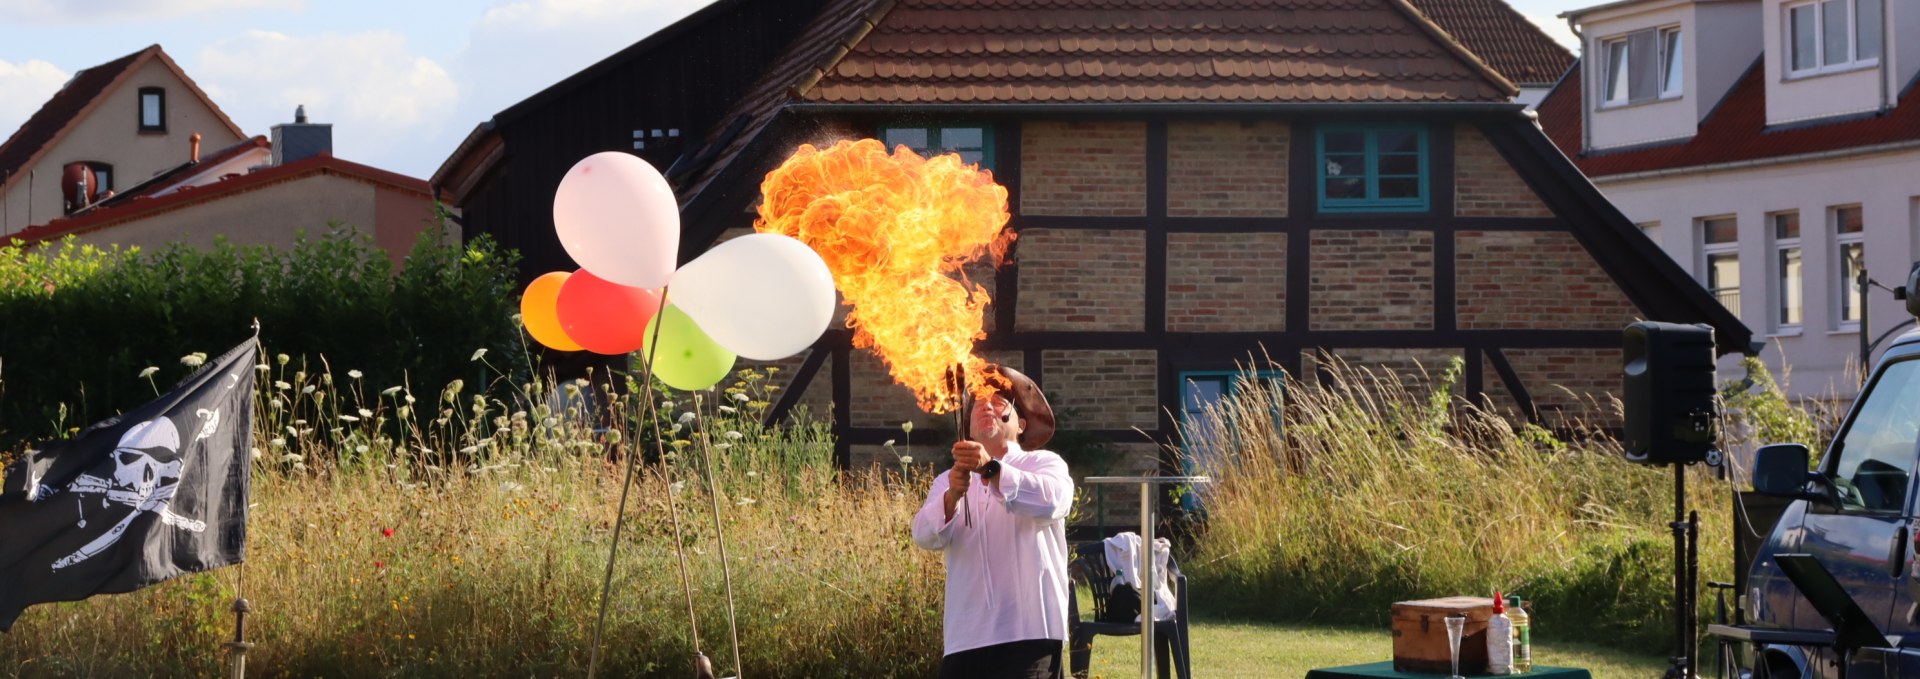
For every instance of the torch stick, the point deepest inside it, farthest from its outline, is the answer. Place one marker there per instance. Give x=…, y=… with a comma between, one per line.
x=960, y=425
x=648, y=409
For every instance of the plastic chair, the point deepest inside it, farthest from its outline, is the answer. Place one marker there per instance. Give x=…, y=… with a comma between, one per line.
x=1089, y=568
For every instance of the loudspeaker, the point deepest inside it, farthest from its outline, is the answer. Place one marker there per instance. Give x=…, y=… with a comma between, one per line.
x=1671, y=414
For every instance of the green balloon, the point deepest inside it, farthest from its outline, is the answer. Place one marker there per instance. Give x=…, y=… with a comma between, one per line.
x=687, y=359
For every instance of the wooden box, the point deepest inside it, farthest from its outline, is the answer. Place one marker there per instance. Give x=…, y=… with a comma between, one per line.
x=1420, y=635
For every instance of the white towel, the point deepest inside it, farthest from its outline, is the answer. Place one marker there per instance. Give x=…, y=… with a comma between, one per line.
x=1123, y=556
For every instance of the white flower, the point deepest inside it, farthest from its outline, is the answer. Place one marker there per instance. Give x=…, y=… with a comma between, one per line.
x=745, y=501
x=282, y=385
x=262, y=367
x=510, y=487
x=355, y=374
x=482, y=351
x=283, y=358
x=906, y=427
x=722, y=446
x=888, y=443
x=389, y=391
x=307, y=389
x=742, y=398
x=194, y=360
x=292, y=457
x=360, y=449
x=686, y=417
x=732, y=435
x=277, y=442
x=753, y=475
x=678, y=486
x=366, y=413
x=906, y=459
x=727, y=409
x=256, y=453
x=149, y=371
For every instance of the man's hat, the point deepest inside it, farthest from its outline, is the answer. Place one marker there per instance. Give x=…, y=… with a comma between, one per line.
x=1031, y=404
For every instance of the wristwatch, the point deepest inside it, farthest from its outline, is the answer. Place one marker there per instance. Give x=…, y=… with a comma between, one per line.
x=990, y=469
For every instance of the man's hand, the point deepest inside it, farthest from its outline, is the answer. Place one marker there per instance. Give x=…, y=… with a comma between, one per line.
x=957, y=480
x=969, y=456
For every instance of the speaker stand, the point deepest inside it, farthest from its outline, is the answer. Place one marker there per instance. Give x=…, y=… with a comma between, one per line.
x=1686, y=574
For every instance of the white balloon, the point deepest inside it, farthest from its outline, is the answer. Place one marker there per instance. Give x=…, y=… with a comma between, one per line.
x=617, y=218
x=763, y=296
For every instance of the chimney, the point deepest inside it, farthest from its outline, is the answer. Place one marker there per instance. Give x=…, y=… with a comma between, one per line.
x=300, y=139
x=195, y=141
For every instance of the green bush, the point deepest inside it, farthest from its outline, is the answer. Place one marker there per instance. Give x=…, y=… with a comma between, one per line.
x=80, y=320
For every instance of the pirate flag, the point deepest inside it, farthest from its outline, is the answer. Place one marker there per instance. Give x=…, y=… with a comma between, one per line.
x=133, y=500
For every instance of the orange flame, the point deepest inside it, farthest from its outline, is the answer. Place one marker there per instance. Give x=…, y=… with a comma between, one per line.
x=896, y=231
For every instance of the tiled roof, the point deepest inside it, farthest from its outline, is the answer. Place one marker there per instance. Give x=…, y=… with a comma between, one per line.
x=185, y=196
x=1501, y=37
x=1736, y=131
x=75, y=99
x=182, y=173
x=999, y=51
x=935, y=52
x=40, y=129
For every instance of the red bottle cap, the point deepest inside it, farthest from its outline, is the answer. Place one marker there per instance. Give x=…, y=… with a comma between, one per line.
x=1499, y=603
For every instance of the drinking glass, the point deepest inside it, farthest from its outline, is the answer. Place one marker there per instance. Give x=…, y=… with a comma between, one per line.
x=1455, y=624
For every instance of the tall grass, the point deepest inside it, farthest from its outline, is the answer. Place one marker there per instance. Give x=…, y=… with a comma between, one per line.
x=451, y=535
x=1362, y=493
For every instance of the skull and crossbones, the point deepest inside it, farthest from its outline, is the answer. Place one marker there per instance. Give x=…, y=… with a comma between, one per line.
x=146, y=474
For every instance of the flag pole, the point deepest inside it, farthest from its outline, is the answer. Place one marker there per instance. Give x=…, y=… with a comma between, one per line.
x=237, y=649
x=650, y=409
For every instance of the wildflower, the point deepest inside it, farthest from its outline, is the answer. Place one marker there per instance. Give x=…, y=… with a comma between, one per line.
x=482, y=351
x=281, y=385
x=732, y=435
x=261, y=367
x=307, y=389
x=728, y=409
x=194, y=360
x=888, y=444
x=366, y=413
x=510, y=487
x=360, y=449
x=256, y=453
x=745, y=501
x=277, y=442
x=686, y=417
x=389, y=391
x=327, y=378
x=387, y=532
x=379, y=564
x=722, y=446
x=355, y=374
x=906, y=427
x=404, y=412
x=149, y=371
x=678, y=486
x=292, y=457
x=906, y=459
x=742, y=398
x=283, y=358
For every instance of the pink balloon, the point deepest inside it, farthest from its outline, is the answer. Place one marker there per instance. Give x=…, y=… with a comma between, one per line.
x=604, y=317
x=617, y=217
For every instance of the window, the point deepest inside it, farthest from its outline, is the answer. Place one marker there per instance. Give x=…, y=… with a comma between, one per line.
x=1787, y=270
x=1833, y=35
x=669, y=135
x=1720, y=246
x=1206, y=435
x=974, y=143
x=1848, y=230
x=1876, y=450
x=1373, y=168
x=153, y=109
x=1643, y=66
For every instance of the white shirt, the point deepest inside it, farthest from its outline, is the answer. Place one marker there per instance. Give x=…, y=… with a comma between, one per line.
x=1007, y=572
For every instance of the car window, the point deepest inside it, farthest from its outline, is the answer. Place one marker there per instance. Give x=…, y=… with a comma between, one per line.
x=1877, y=449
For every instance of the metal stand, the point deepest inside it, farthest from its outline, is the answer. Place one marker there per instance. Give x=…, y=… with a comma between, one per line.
x=239, y=646
x=1686, y=573
x=1149, y=509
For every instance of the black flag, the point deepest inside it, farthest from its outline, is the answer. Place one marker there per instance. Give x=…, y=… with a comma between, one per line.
x=133, y=500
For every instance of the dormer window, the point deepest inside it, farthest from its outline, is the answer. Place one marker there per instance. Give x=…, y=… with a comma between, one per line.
x=974, y=142
x=1643, y=66
x=1832, y=35
x=153, y=109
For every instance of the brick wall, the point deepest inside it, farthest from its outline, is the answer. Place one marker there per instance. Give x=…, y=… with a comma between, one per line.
x=1227, y=169
x=1116, y=505
x=1414, y=370
x=1372, y=280
x=818, y=397
x=1226, y=282
x=1566, y=385
x=1534, y=280
x=1083, y=168
x=1103, y=389
x=1082, y=279
x=1484, y=184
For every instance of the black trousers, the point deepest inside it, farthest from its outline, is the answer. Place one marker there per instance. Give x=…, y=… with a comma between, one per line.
x=1031, y=659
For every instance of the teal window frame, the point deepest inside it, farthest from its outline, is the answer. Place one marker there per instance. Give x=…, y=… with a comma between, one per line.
x=1371, y=202
x=1230, y=382
x=934, y=142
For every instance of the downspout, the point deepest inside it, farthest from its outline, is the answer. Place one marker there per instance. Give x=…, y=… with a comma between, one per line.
x=1886, y=44
x=1586, y=87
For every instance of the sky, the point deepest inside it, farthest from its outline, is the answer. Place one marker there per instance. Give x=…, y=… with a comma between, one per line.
x=401, y=81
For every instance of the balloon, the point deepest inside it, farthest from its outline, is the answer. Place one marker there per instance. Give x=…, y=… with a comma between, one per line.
x=764, y=296
x=617, y=217
x=537, y=312
x=603, y=317
x=683, y=356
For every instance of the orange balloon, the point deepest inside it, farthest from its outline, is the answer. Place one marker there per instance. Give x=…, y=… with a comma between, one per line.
x=537, y=312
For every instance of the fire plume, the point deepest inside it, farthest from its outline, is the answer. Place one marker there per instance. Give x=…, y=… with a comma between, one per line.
x=896, y=230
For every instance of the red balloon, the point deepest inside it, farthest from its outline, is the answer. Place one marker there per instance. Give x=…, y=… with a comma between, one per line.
x=604, y=317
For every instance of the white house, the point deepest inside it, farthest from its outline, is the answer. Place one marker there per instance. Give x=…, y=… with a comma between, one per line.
x=1772, y=147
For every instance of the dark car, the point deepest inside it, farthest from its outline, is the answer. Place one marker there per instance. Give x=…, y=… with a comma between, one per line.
x=1855, y=515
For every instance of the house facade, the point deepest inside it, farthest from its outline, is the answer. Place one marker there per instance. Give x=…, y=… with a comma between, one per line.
x=1191, y=196
x=1769, y=147
x=122, y=121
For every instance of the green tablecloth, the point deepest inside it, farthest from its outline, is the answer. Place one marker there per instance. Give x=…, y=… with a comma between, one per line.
x=1385, y=669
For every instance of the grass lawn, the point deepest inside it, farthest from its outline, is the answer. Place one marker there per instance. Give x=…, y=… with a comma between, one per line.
x=1244, y=649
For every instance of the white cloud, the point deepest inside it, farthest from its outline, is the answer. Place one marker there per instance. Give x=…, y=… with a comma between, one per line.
x=1555, y=28
x=28, y=87
x=380, y=98
x=64, y=11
